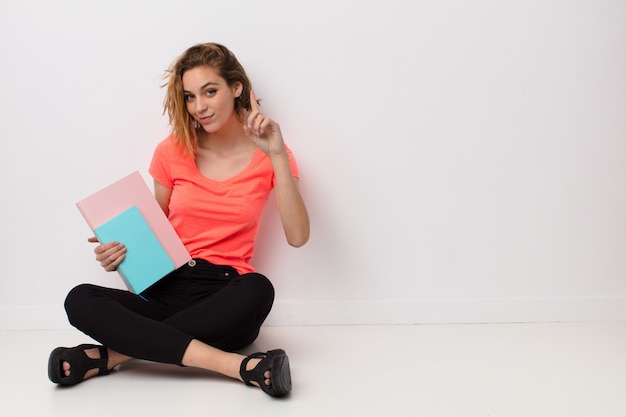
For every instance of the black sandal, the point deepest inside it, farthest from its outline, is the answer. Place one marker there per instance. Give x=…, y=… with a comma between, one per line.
x=79, y=362
x=277, y=362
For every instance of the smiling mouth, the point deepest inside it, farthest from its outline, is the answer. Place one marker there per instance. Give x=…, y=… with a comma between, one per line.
x=205, y=119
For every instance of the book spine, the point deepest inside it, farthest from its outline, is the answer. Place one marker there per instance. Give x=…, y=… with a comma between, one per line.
x=85, y=215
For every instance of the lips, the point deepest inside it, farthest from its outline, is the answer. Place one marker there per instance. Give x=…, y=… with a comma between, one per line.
x=206, y=119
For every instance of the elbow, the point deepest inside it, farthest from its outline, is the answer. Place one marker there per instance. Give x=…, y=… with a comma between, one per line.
x=298, y=240
x=297, y=230
x=297, y=243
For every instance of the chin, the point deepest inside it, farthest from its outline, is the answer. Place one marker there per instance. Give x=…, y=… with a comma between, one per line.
x=210, y=128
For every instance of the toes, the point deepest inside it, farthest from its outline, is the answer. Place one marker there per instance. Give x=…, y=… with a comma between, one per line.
x=267, y=375
x=66, y=368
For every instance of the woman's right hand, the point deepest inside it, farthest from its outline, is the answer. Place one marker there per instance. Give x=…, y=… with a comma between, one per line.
x=110, y=255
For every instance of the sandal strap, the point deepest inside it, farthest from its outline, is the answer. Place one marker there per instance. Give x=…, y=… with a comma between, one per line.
x=79, y=362
x=253, y=374
x=101, y=363
x=277, y=363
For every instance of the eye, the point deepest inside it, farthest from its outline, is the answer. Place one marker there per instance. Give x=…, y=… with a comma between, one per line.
x=188, y=97
x=210, y=92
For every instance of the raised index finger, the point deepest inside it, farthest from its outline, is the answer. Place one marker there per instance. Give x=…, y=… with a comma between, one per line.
x=254, y=106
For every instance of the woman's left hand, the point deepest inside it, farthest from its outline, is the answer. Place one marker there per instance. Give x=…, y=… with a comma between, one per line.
x=266, y=134
x=263, y=131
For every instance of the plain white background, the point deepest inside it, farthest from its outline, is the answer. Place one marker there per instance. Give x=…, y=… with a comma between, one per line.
x=463, y=161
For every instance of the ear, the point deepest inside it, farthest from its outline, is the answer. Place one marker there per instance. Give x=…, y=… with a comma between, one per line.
x=237, y=89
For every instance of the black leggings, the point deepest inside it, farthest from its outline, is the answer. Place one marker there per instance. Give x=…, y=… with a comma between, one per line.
x=200, y=300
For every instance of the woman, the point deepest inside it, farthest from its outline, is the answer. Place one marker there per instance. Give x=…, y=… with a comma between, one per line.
x=212, y=177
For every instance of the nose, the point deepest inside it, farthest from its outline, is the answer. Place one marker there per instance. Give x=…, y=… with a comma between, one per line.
x=200, y=105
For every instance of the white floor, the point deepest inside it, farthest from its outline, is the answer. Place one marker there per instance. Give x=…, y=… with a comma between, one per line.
x=531, y=370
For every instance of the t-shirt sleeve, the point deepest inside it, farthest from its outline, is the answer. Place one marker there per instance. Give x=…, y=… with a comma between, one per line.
x=160, y=166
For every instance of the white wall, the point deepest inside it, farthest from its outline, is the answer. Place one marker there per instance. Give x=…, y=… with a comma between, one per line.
x=463, y=161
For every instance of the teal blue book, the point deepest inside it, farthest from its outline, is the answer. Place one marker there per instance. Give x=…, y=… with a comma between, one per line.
x=146, y=260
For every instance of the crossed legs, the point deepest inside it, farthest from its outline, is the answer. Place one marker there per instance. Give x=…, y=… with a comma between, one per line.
x=166, y=327
x=197, y=355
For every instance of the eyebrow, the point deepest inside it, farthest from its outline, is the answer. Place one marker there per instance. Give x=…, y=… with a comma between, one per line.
x=203, y=86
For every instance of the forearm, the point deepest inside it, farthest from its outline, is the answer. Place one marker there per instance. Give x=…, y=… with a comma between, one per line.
x=293, y=212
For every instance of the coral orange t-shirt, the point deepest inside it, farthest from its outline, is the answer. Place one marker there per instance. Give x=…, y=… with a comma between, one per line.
x=216, y=220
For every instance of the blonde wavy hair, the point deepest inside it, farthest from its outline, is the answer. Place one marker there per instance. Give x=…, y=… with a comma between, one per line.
x=225, y=64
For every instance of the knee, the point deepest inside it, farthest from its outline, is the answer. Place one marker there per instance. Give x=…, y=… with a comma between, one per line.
x=76, y=303
x=261, y=285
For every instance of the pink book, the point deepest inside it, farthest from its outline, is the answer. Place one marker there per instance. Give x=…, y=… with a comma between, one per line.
x=132, y=190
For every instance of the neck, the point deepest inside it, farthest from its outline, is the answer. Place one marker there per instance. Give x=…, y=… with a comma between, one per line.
x=224, y=140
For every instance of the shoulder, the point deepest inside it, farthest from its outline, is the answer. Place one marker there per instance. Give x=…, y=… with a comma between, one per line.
x=168, y=148
x=166, y=161
x=167, y=145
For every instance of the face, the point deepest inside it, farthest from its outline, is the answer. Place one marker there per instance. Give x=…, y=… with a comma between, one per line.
x=209, y=99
